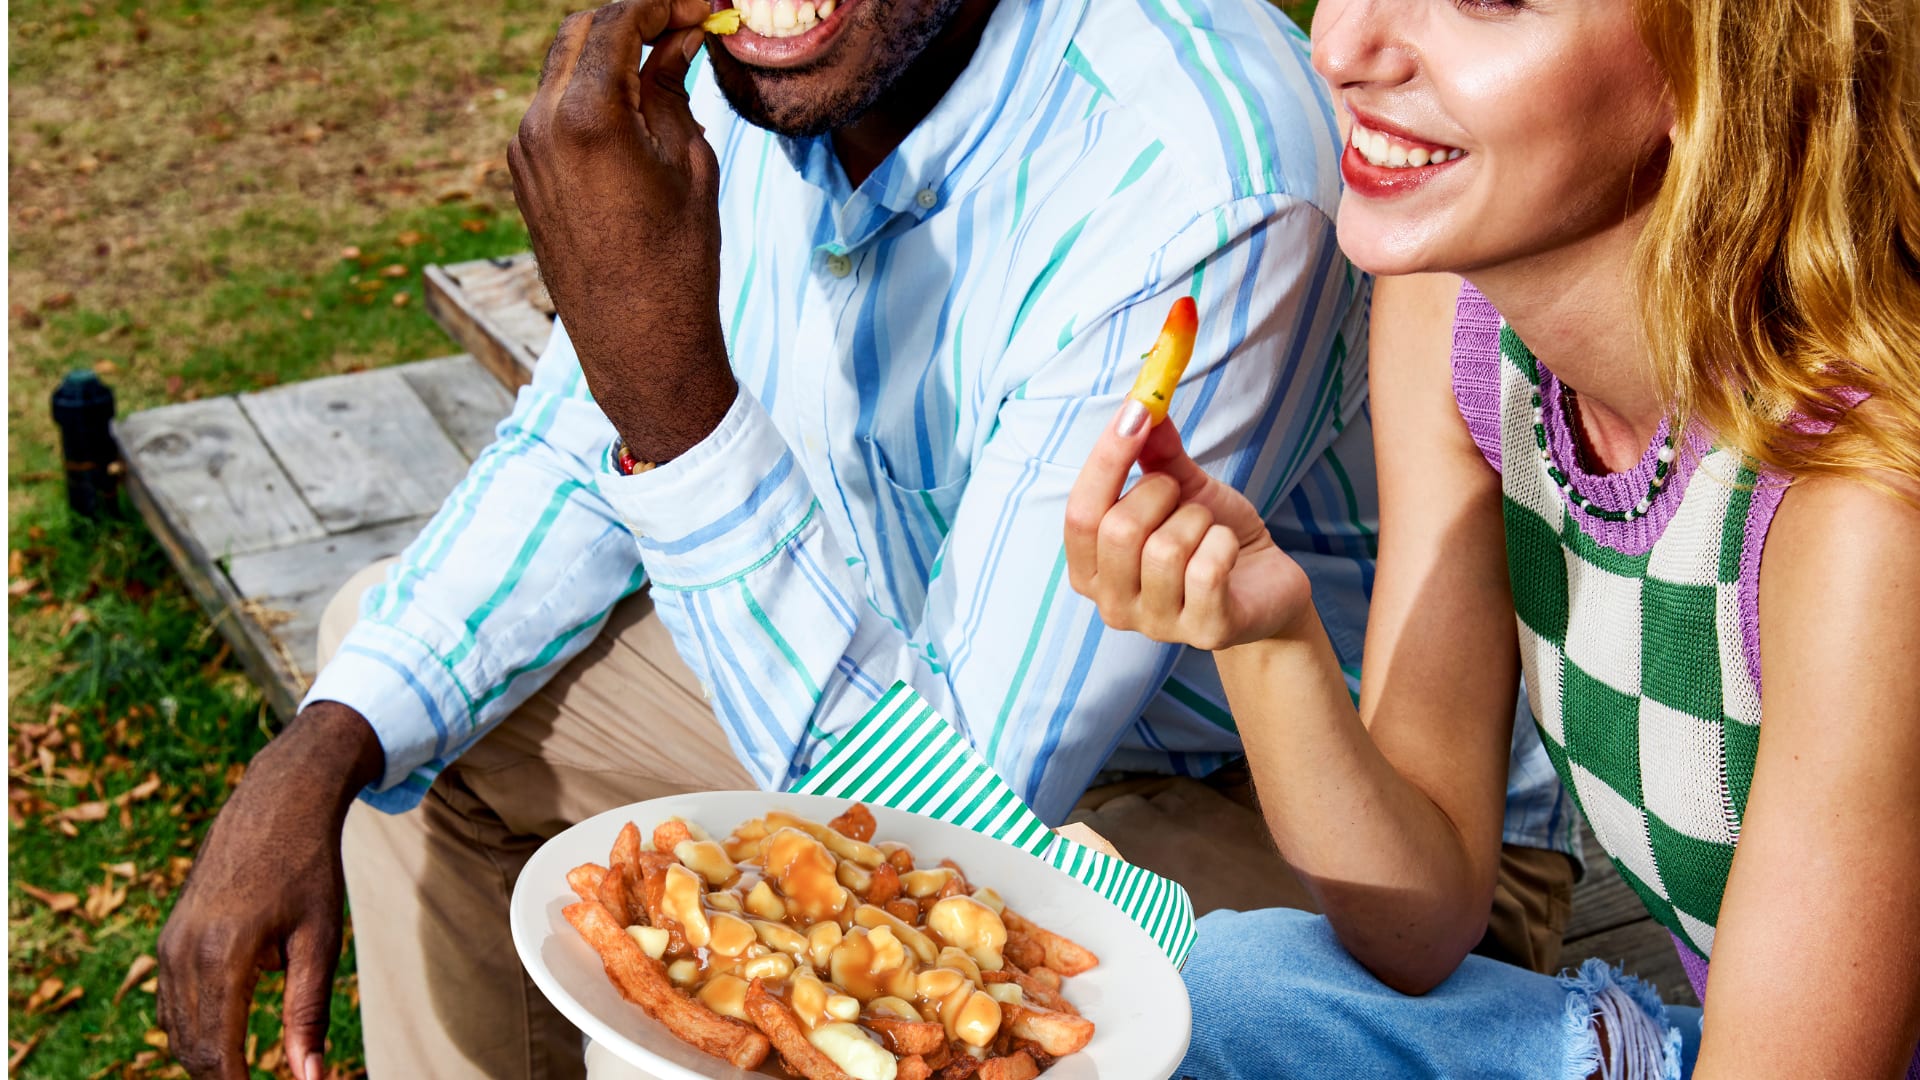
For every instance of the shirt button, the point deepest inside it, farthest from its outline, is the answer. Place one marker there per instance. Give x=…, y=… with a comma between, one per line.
x=839, y=265
x=926, y=198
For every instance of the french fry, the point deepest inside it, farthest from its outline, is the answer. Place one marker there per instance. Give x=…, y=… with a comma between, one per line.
x=1034, y=991
x=584, y=880
x=1022, y=950
x=616, y=897
x=1062, y=954
x=723, y=22
x=913, y=1067
x=668, y=834
x=958, y=1067
x=1167, y=360
x=626, y=846
x=1015, y=1066
x=1059, y=1034
x=885, y=885
x=856, y=824
x=1046, y=977
x=781, y=1027
x=643, y=981
x=905, y=1037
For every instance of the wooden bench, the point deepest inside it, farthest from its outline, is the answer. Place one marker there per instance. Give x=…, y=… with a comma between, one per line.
x=267, y=502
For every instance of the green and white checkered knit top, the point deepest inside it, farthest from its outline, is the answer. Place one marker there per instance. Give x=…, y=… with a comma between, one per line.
x=1637, y=600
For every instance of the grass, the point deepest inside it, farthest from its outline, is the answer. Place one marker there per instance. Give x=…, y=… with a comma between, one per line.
x=205, y=197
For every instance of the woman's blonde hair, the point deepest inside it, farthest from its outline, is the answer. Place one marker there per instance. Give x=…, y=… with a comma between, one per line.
x=1780, y=267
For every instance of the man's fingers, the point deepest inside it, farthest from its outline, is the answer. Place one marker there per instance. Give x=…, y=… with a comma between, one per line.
x=312, y=954
x=210, y=996
x=1094, y=492
x=568, y=41
x=664, y=75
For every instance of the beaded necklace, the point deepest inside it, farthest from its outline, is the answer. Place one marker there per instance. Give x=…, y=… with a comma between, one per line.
x=1573, y=496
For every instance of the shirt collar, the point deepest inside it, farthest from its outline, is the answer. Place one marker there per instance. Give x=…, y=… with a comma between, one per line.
x=1021, y=53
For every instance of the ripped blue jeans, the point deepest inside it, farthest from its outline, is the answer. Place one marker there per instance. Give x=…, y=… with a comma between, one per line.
x=1275, y=997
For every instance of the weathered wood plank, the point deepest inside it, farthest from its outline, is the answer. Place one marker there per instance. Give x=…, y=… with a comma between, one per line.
x=208, y=471
x=288, y=589
x=362, y=449
x=467, y=400
x=1602, y=900
x=496, y=309
x=252, y=642
x=1642, y=948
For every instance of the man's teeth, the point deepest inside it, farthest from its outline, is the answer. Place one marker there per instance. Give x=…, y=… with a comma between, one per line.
x=784, y=18
x=1388, y=152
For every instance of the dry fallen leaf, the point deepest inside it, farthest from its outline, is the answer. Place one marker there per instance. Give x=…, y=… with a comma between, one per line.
x=57, y=301
x=104, y=368
x=124, y=869
x=349, y=252
x=410, y=238
x=396, y=270
x=58, y=902
x=22, y=1049
x=49, y=989
x=86, y=811
x=16, y=563
x=155, y=1038
x=142, y=967
x=142, y=791
x=151, y=986
x=103, y=900
x=22, y=587
x=401, y=299
x=274, y=1057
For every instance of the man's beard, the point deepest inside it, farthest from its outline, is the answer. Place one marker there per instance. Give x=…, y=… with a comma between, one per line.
x=780, y=99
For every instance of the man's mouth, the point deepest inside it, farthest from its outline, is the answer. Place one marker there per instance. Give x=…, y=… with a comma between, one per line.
x=784, y=18
x=1393, y=151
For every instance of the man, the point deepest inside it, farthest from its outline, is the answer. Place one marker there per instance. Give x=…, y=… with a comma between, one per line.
x=845, y=304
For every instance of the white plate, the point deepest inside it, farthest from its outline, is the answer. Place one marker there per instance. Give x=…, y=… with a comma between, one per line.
x=1135, y=997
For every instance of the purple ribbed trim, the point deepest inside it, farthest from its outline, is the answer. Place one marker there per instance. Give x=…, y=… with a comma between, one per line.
x=1476, y=370
x=1622, y=490
x=1694, y=965
x=1767, y=492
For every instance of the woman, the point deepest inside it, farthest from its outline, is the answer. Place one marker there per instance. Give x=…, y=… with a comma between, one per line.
x=1689, y=368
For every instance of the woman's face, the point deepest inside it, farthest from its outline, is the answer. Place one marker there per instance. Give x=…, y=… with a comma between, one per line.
x=1484, y=131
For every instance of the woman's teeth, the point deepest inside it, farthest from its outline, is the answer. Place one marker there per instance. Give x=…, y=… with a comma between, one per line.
x=1387, y=152
x=784, y=18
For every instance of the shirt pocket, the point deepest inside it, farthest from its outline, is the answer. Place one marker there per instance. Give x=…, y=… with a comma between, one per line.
x=910, y=527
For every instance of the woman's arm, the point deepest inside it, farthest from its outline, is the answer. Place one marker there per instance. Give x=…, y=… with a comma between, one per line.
x=1393, y=824
x=1396, y=828
x=1816, y=962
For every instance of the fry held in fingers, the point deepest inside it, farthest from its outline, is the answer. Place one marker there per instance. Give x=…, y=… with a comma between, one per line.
x=1167, y=360
x=813, y=941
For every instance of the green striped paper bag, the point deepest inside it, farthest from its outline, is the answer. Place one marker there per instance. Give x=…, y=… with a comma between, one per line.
x=905, y=755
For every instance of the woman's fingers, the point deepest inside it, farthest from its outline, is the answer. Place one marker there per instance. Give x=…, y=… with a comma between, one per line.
x=1123, y=536
x=1094, y=493
x=1163, y=563
x=1208, y=610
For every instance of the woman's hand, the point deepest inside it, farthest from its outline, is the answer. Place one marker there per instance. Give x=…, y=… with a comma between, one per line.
x=1181, y=557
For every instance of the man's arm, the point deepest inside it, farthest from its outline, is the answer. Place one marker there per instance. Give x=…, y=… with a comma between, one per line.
x=514, y=575
x=784, y=623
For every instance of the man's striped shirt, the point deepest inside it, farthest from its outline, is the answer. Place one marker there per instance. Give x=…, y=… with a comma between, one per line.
x=925, y=360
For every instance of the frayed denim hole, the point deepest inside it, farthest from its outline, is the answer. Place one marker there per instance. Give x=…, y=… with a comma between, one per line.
x=1645, y=1043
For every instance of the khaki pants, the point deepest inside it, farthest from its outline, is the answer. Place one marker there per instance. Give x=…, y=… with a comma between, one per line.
x=442, y=993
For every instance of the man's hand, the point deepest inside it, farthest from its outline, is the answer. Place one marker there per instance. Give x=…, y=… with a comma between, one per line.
x=620, y=192
x=266, y=893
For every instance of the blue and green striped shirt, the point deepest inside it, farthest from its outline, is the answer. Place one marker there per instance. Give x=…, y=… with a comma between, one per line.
x=925, y=360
